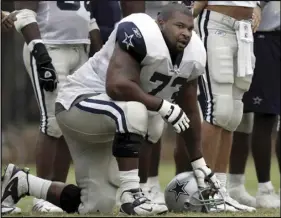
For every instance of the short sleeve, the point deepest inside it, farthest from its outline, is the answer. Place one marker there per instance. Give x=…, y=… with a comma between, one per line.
x=131, y=40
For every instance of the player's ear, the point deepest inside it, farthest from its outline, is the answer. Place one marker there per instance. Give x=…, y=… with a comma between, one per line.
x=160, y=23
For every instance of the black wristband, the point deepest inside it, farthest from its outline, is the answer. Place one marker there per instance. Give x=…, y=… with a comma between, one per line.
x=41, y=54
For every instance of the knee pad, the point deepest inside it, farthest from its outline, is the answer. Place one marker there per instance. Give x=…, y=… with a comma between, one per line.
x=127, y=145
x=246, y=124
x=243, y=83
x=136, y=124
x=70, y=199
x=236, y=116
x=223, y=110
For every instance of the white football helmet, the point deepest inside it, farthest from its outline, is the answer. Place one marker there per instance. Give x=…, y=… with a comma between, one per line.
x=182, y=194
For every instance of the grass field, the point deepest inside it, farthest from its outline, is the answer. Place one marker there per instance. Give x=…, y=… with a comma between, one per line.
x=167, y=171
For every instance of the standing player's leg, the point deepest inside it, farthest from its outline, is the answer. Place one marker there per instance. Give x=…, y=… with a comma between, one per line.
x=181, y=158
x=277, y=147
x=238, y=159
x=155, y=131
x=223, y=111
x=261, y=150
x=263, y=99
x=52, y=154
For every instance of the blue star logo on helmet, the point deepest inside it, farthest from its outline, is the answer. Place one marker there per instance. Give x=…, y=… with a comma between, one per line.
x=179, y=189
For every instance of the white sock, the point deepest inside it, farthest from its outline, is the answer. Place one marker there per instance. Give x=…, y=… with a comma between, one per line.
x=144, y=186
x=38, y=187
x=153, y=181
x=235, y=180
x=222, y=178
x=265, y=186
x=129, y=179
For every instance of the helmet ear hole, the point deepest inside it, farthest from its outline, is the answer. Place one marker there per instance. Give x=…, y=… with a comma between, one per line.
x=186, y=205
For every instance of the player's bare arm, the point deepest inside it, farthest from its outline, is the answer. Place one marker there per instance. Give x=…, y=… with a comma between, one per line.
x=123, y=77
x=27, y=25
x=95, y=36
x=187, y=100
x=30, y=31
x=198, y=7
x=257, y=16
x=130, y=7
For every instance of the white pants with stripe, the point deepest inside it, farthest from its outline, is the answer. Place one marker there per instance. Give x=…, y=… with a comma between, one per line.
x=89, y=127
x=66, y=59
x=217, y=31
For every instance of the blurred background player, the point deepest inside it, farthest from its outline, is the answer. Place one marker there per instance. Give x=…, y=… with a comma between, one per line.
x=257, y=128
x=57, y=43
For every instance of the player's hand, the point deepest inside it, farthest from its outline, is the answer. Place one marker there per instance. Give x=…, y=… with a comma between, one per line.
x=47, y=77
x=7, y=20
x=174, y=115
x=256, y=17
x=46, y=71
x=204, y=175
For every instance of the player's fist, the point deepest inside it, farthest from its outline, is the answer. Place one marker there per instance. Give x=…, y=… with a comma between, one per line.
x=174, y=115
x=46, y=72
x=204, y=175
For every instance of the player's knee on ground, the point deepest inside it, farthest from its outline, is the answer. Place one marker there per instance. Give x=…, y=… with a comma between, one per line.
x=70, y=199
x=246, y=124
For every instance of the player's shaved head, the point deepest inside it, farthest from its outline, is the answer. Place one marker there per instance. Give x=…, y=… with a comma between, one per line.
x=168, y=11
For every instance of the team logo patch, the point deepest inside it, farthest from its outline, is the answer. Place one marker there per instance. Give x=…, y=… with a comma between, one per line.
x=128, y=40
x=220, y=33
x=48, y=74
x=179, y=189
x=137, y=32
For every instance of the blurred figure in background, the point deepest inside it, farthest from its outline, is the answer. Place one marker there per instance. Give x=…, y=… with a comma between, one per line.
x=107, y=14
x=261, y=110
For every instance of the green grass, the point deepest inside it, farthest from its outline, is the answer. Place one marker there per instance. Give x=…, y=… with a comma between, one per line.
x=167, y=172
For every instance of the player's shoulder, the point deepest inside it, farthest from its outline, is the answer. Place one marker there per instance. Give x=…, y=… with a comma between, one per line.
x=195, y=51
x=145, y=24
x=139, y=34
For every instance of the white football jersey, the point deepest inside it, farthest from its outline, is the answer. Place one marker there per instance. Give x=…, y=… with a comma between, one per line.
x=249, y=4
x=140, y=36
x=64, y=22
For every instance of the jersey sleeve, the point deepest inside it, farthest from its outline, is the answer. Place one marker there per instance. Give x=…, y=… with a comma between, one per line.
x=131, y=40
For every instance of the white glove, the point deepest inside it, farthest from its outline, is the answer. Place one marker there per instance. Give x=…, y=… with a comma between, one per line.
x=204, y=174
x=173, y=114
